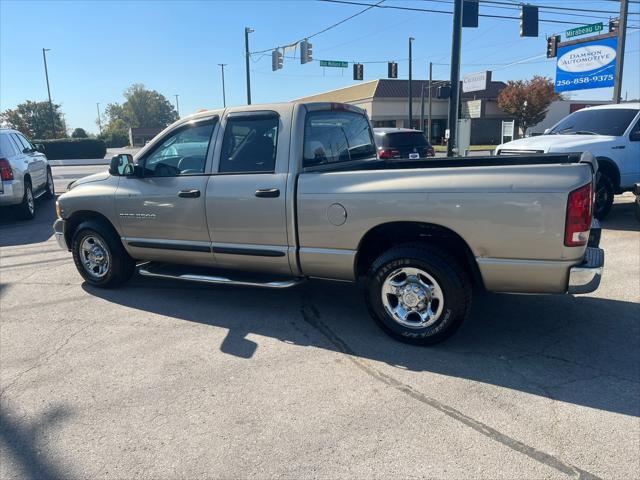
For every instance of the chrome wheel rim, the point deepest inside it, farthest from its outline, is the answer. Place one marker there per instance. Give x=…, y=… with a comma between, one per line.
x=94, y=256
x=412, y=297
x=30, y=202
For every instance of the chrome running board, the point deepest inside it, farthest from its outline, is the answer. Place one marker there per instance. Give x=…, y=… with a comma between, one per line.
x=172, y=273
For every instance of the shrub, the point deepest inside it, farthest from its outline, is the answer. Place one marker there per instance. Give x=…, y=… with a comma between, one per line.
x=73, y=148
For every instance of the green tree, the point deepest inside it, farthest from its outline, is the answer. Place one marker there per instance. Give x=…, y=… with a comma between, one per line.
x=79, y=133
x=115, y=134
x=142, y=108
x=527, y=100
x=34, y=120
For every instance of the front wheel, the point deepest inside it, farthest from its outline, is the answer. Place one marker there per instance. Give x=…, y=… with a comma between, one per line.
x=418, y=294
x=99, y=255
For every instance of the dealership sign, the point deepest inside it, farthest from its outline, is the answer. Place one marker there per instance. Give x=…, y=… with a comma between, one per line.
x=586, y=65
x=476, y=82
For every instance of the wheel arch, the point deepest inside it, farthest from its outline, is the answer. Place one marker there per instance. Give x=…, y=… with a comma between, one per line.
x=384, y=236
x=609, y=168
x=76, y=218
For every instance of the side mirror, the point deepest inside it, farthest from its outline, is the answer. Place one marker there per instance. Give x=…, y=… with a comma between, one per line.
x=122, y=165
x=635, y=136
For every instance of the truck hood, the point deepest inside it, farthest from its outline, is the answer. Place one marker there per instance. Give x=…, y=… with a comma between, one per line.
x=558, y=143
x=96, y=177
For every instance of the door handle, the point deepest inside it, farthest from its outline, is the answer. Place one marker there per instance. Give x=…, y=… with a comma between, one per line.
x=195, y=193
x=268, y=192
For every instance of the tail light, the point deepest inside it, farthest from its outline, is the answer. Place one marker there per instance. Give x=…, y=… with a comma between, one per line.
x=579, y=210
x=387, y=153
x=5, y=170
x=431, y=152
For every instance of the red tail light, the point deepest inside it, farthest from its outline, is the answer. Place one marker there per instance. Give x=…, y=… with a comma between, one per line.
x=431, y=152
x=386, y=153
x=579, y=210
x=5, y=170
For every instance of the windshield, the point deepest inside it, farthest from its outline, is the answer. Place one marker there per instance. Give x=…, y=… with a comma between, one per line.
x=612, y=121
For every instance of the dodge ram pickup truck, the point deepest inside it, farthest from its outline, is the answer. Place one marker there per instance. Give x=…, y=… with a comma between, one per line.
x=269, y=195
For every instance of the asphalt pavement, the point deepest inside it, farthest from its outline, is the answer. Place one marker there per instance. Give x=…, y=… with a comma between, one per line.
x=160, y=379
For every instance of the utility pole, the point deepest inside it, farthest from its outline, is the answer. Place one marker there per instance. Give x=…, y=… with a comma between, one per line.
x=422, y=109
x=452, y=122
x=622, y=39
x=99, y=121
x=410, y=81
x=46, y=74
x=224, y=96
x=177, y=105
x=429, y=120
x=247, y=31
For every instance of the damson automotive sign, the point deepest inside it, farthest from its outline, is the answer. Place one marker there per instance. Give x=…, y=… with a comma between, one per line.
x=586, y=65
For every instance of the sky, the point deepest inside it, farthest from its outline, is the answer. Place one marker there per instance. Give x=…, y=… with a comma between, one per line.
x=99, y=48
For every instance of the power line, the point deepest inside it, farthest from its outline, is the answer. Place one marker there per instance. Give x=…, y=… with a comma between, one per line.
x=550, y=7
x=369, y=7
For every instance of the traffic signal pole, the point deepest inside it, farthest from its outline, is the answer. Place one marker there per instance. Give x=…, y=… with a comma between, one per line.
x=247, y=31
x=429, y=118
x=452, y=122
x=410, y=82
x=622, y=38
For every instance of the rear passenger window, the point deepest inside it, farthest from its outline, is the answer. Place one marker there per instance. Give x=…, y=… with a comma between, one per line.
x=249, y=144
x=336, y=136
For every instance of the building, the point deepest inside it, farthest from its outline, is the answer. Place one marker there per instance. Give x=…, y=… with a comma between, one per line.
x=138, y=137
x=385, y=101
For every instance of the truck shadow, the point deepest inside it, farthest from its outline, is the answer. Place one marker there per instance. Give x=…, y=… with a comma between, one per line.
x=577, y=350
x=622, y=217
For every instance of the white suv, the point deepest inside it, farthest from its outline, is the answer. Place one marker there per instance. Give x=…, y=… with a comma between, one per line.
x=610, y=132
x=25, y=173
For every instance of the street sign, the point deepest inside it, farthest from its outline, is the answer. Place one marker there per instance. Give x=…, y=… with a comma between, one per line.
x=334, y=63
x=585, y=65
x=475, y=82
x=507, y=130
x=472, y=109
x=584, y=30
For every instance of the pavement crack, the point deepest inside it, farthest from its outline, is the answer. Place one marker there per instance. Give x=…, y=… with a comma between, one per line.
x=42, y=360
x=311, y=316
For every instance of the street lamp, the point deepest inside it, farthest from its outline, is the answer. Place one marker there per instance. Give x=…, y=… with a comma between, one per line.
x=99, y=121
x=224, y=97
x=177, y=105
x=46, y=74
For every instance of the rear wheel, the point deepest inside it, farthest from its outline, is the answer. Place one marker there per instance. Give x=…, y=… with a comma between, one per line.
x=604, y=197
x=49, y=191
x=418, y=294
x=99, y=255
x=27, y=208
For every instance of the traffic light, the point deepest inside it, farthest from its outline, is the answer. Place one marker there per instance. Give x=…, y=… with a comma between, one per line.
x=614, y=25
x=306, y=52
x=470, y=13
x=528, y=21
x=552, y=46
x=276, y=60
x=392, y=70
x=358, y=71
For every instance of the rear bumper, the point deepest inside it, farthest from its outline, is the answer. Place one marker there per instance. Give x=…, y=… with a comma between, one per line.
x=11, y=192
x=585, y=277
x=58, y=230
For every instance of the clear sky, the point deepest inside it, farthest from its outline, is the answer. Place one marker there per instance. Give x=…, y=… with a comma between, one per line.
x=99, y=48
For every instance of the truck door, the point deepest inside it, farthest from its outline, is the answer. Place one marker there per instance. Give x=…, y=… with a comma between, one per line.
x=162, y=213
x=246, y=195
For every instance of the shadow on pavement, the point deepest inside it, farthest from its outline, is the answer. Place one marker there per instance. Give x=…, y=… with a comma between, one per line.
x=581, y=350
x=622, y=217
x=21, y=443
x=15, y=232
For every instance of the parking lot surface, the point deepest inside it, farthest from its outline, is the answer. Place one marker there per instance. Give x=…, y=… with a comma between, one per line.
x=161, y=379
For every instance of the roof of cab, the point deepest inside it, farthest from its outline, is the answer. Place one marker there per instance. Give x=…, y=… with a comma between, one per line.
x=608, y=106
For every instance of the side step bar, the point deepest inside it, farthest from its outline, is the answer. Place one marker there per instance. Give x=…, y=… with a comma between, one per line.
x=146, y=270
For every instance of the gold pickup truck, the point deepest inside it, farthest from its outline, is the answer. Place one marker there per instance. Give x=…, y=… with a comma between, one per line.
x=269, y=195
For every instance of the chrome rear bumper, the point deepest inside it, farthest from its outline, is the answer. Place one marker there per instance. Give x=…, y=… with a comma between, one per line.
x=585, y=277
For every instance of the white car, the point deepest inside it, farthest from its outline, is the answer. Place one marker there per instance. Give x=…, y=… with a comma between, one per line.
x=610, y=132
x=25, y=174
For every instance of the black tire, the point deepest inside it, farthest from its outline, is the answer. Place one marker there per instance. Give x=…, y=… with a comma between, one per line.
x=604, y=197
x=49, y=189
x=120, y=266
x=451, y=278
x=27, y=208
x=638, y=207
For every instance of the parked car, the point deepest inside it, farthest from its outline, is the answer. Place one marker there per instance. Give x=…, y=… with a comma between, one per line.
x=25, y=174
x=610, y=132
x=395, y=143
x=269, y=195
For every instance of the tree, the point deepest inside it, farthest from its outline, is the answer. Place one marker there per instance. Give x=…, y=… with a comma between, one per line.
x=527, y=100
x=79, y=133
x=115, y=134
x=34, y=120
x=142, y=108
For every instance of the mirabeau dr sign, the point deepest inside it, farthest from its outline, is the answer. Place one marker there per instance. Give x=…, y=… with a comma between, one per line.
x=586, y=65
